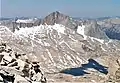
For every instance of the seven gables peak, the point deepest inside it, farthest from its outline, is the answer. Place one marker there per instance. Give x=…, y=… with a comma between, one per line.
x=59, y=18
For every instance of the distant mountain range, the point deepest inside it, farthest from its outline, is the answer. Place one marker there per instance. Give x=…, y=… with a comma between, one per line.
x=77, y=18
x=106, y=24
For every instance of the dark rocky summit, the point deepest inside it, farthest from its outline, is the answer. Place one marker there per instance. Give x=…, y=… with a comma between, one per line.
x=55, y=17
x=59, y=18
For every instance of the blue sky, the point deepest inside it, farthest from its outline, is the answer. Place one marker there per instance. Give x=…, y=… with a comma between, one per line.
x=74, y=8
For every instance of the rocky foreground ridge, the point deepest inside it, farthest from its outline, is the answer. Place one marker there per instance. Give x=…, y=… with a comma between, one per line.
x=16, y=68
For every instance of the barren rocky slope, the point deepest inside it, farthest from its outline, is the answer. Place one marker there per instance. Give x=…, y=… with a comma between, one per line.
x=82, y=53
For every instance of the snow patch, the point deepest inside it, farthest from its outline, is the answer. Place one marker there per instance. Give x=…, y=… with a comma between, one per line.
x=46, y=44
x=25, y=21
x=103, y=48
x=61, y=42
x=40, y=29
x=80, y=30
x=99, y=40
x=59, y=28
x=50, y=56
x=27, y=31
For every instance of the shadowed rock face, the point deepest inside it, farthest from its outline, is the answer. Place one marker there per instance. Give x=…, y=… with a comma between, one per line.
x=111, y=27
x=112, y=31
x=94, y=30
x=12, y=24
x=23, y=25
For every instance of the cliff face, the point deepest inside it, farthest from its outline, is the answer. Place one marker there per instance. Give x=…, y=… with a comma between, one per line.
x=111, y=27
x=94, y=30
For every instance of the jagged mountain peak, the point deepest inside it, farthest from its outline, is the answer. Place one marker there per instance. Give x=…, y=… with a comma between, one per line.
x=59, y=18
x=57, y=12
x=55, y=17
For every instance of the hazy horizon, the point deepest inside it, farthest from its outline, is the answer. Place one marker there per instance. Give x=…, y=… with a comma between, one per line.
x=73, y=8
